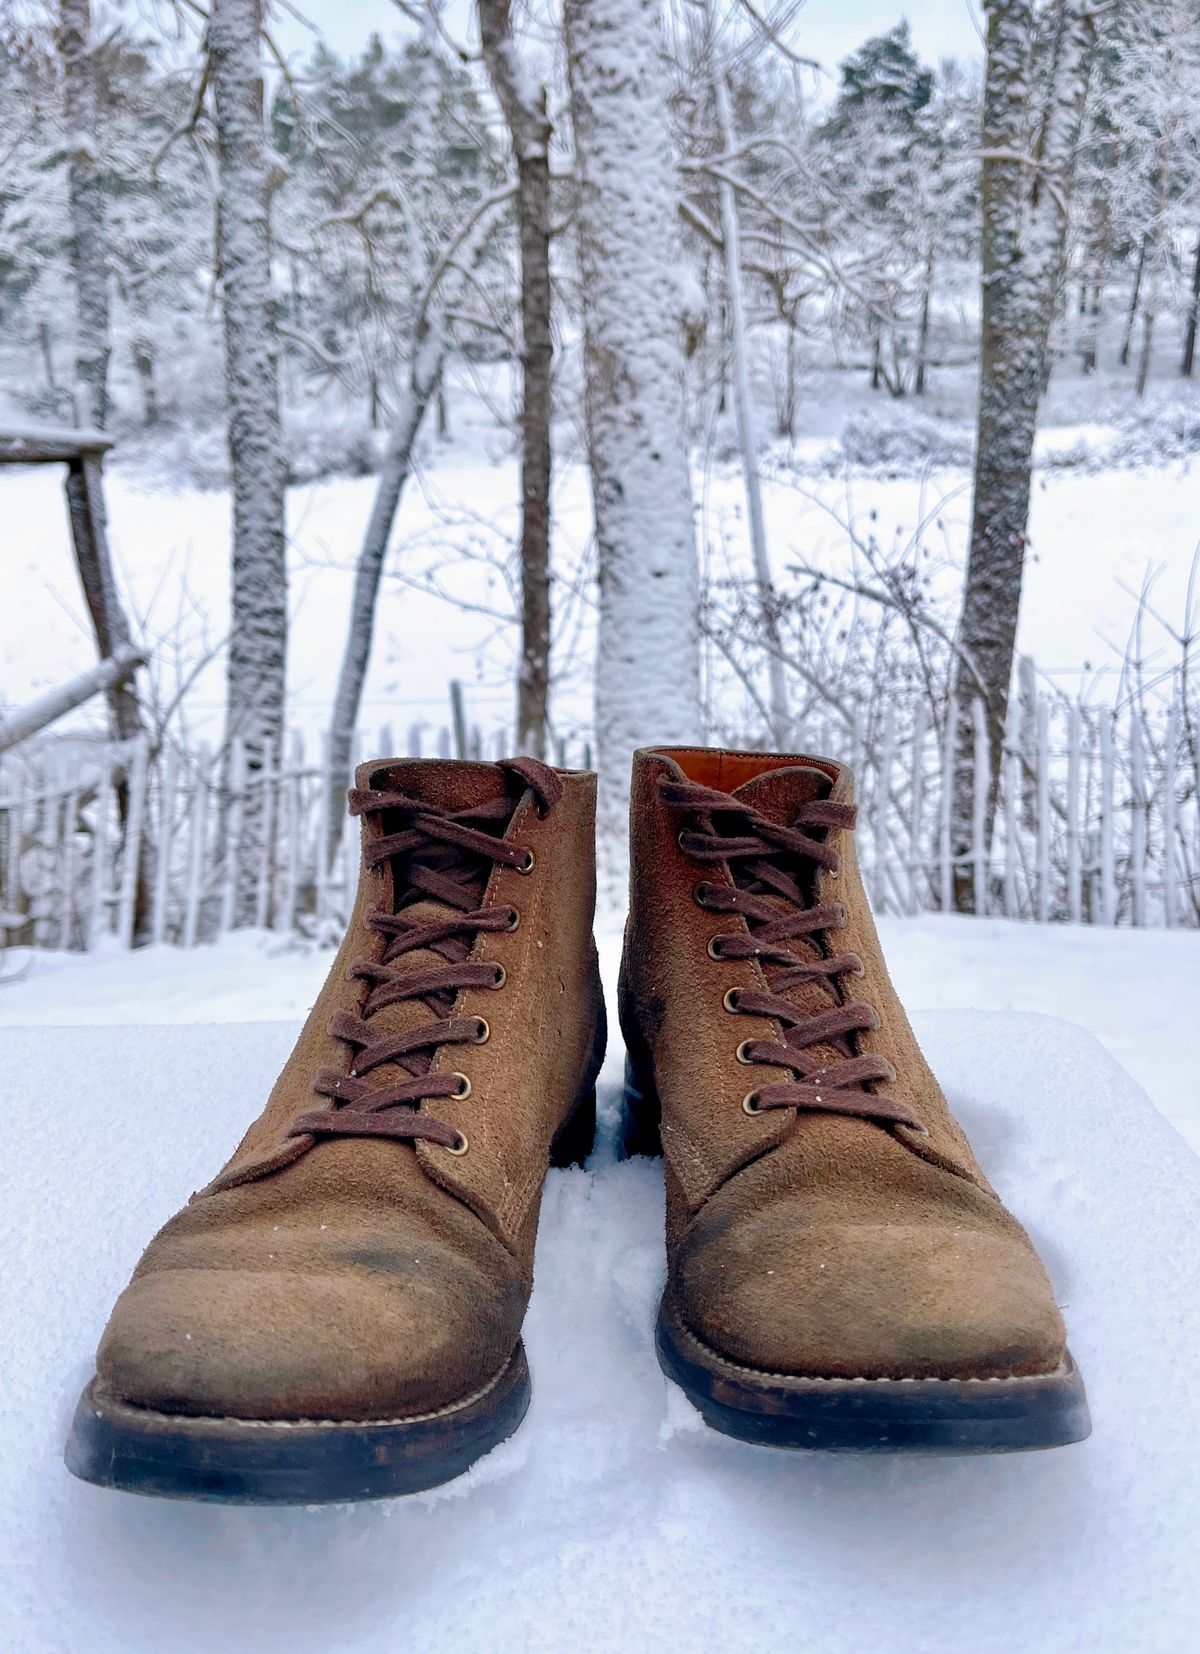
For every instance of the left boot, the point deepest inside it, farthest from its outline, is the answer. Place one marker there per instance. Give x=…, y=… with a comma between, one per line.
x=840, y=1272
x=338, y=1314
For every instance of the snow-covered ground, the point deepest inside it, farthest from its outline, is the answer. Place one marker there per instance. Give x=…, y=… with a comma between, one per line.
x=613, y=1521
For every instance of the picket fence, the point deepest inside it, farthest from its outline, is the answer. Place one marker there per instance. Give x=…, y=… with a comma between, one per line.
x=1097, y=823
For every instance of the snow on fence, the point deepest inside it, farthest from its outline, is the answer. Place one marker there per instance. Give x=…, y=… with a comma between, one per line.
x=1096, y=822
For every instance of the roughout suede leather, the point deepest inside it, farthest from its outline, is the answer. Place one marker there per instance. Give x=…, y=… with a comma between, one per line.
x=805, y=1243
x=352, y=1278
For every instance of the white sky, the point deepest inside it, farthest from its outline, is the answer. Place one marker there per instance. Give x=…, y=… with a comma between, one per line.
x=824, y=29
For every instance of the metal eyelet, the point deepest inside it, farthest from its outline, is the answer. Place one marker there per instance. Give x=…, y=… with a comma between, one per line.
x=713, y=952
x=460, y=1147
x=858, y=968
x=696, y=893
x=750, y=1103
x=501, y=976
x=679, y=839
x=514, y=921
x=730, y=1000
x=485, y=1031
x=464, y=1087
x=834, y=872
x=742, y=1050
x=841, y=921
x=525, y=866
x=875, y=1024
x=892, y=1076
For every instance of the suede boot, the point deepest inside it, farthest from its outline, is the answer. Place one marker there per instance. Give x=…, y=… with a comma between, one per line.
x=840, y=1273
x=338, y=1314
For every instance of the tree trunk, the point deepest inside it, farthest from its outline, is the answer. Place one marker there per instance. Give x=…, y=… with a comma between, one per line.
x=647, y=658
x=1189, y=343
x=1134, y=297
x=524, y=107
x=1024, y=239
x=744, y=411
x=88, y=242
x=423, y=381
x=923, y=326
x=257, y=660
x=143, y=362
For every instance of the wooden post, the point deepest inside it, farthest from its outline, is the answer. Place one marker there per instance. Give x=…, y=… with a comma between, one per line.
x=1137, y=835
x=166, y=829
x=1074, y=864
x=979, y=810
x=127, y=902
x=459, y=716
x=1170, y=818
x=1108, y=805
x=1043, y=809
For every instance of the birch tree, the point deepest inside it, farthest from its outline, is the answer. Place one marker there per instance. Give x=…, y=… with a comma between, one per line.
x=88, y=243
x=257, y=659
x=1031, y=127
x=524, y=104
x=647, y=661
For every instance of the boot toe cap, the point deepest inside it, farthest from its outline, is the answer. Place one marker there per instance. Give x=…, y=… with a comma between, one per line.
x=871, y=1300
x=355, y=1343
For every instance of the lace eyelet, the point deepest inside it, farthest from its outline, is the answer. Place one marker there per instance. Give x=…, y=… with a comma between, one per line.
x=742, y=1050
x=841, y=920
x=858, y=968
x=834, y=872
x=514, y=922
x=750, y=1104
x=485, y=1031
x=525, y=866
x=730, y=1001
x=501, y=976
x=679, y=839
x=697, y=893
x=464, y=1087
x=875, y=1024
x=714, y=951
x=460, y=1147
x=892, y=1077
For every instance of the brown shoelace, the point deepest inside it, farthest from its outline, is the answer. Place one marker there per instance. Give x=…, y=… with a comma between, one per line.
x=769, y=893
x=444, y=857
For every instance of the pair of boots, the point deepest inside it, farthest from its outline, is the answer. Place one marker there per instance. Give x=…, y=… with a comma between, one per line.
x=338, y=1314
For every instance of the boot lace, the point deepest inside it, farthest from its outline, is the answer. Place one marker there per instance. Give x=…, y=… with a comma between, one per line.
x=444, y=857
x=771, y=892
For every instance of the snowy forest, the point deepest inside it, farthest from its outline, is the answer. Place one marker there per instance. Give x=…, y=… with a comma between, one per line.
x=559, y=381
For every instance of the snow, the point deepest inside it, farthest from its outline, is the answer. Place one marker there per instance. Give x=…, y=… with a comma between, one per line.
x=171, y=549
x=614, y=1520
x=1133, y=990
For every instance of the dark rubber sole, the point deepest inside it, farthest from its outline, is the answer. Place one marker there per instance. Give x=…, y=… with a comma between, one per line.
x=855, y=1415
x=292, y=1462
x=313, y=1461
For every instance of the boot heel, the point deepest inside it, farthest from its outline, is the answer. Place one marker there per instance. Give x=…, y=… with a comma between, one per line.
x=642, y=1113
x=577, y=1135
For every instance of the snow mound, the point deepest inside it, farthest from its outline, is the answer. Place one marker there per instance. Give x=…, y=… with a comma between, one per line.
x=614, y=1519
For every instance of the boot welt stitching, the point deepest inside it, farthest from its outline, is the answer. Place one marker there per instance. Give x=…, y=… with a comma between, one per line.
x=825, y=1378
x=305, y=1423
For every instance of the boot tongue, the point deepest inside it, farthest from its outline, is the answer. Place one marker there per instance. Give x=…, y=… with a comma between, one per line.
x=453, y=788
x=780, y=795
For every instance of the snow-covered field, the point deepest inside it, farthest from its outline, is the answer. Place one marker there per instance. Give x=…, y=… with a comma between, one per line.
x=614, y=1521
x=171, y=547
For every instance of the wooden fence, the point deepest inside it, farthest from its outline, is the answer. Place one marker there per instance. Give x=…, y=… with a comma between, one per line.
x=1096, y=822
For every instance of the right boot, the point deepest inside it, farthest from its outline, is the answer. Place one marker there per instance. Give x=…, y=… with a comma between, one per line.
x=337, y=1315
